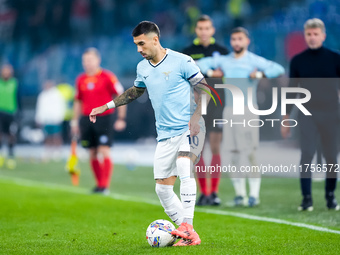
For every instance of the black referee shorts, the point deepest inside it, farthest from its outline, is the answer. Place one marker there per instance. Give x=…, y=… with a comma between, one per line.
x=96, y=134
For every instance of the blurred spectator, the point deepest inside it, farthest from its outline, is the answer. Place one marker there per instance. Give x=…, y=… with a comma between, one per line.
x=7, y=20
x=193, y=13
x=105, y=16
x=37, y=25
x=8, y=109
x=238, y=10
x=81, y=19
x=58, y=20
x=50, y=113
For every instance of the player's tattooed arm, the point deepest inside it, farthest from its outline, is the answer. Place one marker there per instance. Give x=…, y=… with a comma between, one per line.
x=200, y=88
x=128, y=96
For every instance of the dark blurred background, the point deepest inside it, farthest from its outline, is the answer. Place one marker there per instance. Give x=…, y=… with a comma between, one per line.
x=44, y=39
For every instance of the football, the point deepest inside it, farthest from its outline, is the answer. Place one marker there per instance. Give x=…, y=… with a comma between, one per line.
x=158, y=233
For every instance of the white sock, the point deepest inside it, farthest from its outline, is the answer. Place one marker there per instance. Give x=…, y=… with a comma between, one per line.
x=187, y=187
x=254, y=179
x=254, y=187
x=239, y=186
x=188, y=220
x=238, y=179
x=170, y=202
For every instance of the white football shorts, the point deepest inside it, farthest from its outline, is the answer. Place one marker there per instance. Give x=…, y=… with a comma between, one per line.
x=239, y=137
x=167, y=152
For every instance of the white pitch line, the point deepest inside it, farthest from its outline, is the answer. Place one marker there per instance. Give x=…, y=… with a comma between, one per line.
x=267, y=219
x=121, y=197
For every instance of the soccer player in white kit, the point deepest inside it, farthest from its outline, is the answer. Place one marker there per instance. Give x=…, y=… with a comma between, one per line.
x=170, y=78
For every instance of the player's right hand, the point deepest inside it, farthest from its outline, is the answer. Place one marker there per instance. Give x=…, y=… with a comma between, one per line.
x=96, y=111
x=194, y=127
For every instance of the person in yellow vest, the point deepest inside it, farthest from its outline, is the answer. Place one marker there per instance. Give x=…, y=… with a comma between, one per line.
x=67, y=91
x=8, y=109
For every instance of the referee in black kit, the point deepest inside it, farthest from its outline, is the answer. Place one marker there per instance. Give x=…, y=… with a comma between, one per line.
x=322, y=66
x=205, y=46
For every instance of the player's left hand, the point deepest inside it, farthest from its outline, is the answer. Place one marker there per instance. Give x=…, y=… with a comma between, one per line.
x=96, y=111
x=194, y=127
x=119, y=125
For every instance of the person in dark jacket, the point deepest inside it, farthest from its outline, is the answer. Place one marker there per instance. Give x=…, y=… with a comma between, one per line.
x=309, y=70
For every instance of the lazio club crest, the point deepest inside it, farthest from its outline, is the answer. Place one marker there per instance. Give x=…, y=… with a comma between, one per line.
x=167, y=75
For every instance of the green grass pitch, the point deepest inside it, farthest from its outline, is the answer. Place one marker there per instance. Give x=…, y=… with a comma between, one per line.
x=41, y=213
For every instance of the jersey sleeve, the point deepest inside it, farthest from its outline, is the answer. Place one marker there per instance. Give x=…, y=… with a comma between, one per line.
x=191, y=71
x=139, y=83
x=269, y=68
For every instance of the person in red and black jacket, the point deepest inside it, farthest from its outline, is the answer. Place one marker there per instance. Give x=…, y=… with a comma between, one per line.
x=95, y=87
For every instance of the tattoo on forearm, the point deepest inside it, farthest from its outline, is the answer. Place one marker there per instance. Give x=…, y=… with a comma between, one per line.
x=128, y=96
x=200, y=88
x=199, y=106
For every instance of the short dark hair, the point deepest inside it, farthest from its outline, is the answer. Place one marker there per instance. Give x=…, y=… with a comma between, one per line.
x=146, y=27
x=204, y=17
x=240, y=30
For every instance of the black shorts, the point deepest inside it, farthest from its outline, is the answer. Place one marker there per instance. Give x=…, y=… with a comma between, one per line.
x=214, y=112
x=8, y=125
x=96, y=134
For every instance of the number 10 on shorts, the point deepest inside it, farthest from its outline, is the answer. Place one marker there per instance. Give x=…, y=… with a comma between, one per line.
x=193, y=139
